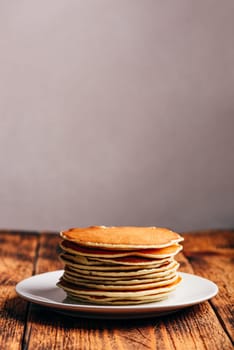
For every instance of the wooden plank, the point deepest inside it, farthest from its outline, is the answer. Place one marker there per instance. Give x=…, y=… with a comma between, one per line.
x=48, y=253
x=17, y=253
x=194, y=328
x=212, y=258
x=218, y=241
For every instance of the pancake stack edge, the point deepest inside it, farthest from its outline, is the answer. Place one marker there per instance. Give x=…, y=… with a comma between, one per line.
x=119, y=265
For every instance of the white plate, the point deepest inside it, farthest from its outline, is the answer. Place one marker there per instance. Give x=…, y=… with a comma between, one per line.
x=41, y=289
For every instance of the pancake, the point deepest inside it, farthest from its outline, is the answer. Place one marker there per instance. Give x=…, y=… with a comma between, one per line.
x=76, y=290
x=74, y=248
x=88, y=299
x=71, y=261
x=124, y=274
x=133, y=284
x=125, y=237
x=131, y=261
x=119, y=265
x=116, y=278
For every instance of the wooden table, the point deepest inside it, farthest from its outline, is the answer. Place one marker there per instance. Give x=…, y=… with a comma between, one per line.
x=26, y=326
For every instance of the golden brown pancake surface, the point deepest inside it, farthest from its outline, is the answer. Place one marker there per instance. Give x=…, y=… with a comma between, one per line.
x=123, y=237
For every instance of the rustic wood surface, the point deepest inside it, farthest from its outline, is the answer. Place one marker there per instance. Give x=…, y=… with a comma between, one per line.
x=23, y=325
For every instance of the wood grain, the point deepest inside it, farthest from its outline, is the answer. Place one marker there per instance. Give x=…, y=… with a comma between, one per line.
x=48, y=253
x=193, y=328
x=17, y=259
x=211, y=256
x=30, y=327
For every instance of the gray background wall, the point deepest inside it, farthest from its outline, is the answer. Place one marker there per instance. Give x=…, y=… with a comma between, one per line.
x=116, y=112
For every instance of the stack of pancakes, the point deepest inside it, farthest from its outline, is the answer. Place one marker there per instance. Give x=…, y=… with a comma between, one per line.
x=119, y=265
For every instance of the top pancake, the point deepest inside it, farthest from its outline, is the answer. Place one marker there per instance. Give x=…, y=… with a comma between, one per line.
x=123, y=237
